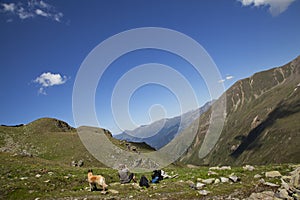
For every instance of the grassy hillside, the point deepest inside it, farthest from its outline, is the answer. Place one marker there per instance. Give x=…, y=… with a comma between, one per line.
x=262, y=122
x=53, y=140
x=32, y=177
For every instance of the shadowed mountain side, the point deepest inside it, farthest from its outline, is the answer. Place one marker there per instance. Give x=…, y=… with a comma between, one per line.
x=281, y=111
x=262, y=121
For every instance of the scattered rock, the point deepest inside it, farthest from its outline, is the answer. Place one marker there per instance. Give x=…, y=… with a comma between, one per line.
x=80, y=163
x=234, y=147
x=234, y=178
x=74, y=163
x=199, y=186
x=212, y=173
x=273, y=174
x=50, y=173
x=225, y=168
x=38, y=176
x=208, y=181
x=271, y=184
x=203, y=192
x=248, y=168
x=217, y=181
x=25, y=153
x=47, y=181
x=113, y=191
x=287, y=178
x=283, y=194
x=257, y=176
x=262, y=181
x=199, y=179
x=224, y=179
x=295, y=178
x=23, y=178
x=220, y=168
x=265, y=195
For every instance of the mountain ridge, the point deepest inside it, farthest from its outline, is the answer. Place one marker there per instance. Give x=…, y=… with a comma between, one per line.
x=260, y=109
x=166, y=129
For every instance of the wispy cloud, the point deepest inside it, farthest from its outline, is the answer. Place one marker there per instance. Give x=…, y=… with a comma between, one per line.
x=222, y=81
x=276, y=7
x=49, y=79
x=30, y=9
x=227, y=77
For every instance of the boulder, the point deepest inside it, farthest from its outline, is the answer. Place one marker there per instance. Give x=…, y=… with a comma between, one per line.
x=208, y=181
x=272, y=174
x=204, y=192
x=248, y=168
x=295, y=178
x=224, y=179
x=283, y=194
x=257, y=176
x=212, y=173
x=38, y=176
x=271, y=184
x=199, y=186
x=234, y=178
x=265, y=195
x=217, y=181
x=113, y=191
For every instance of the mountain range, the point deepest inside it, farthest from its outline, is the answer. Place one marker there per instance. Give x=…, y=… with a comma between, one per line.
x=165, y=129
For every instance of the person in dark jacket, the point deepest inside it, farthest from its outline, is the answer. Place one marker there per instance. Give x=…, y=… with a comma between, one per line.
x=156, y=176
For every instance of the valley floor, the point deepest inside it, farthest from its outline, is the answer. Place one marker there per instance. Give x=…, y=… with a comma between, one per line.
x=35, y=178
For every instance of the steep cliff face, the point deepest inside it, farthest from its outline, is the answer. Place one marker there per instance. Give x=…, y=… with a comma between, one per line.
x=262, y=121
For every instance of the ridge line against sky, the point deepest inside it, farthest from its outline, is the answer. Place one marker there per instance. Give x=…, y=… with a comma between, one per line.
x=44, y=43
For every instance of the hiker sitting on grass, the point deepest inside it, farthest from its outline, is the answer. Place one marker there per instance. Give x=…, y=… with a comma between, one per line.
x=125, y=175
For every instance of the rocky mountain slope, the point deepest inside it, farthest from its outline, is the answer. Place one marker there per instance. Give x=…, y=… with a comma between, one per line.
x=167, y=129
x=262, y=121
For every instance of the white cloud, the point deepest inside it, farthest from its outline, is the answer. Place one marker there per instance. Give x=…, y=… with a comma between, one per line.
x=31, y=9
x=49, y=79
x=276, y=7
x=222, y=81
x=9, y=7
x=40, y=12
x=228, y=77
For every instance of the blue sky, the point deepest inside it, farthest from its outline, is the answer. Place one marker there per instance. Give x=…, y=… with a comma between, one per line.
x=43, y=44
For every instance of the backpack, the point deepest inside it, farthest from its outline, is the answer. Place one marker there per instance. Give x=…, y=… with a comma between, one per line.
x=144, y=182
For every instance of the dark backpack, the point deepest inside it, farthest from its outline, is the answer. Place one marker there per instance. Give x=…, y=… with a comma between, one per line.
x=144, y=182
